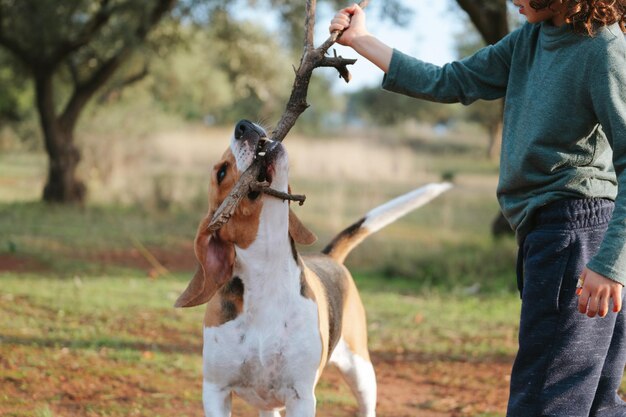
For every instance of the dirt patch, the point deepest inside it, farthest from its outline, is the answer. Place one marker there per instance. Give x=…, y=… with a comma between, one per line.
x=408, y=387
x=151, y=260
x=72, y=383
x=173, y=259
x=16, y=263
x=432, y=387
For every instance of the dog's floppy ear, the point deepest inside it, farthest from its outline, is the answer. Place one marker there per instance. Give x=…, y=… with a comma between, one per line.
x=298, y=231
x=216, y=259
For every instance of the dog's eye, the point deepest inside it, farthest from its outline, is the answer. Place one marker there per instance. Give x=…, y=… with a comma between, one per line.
x=221, y=173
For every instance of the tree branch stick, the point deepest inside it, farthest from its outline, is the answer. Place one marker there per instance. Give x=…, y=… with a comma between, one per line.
x=311, y=59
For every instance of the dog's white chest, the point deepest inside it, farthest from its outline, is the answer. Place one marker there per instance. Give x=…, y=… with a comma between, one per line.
x=265, y=379
x=265, y=358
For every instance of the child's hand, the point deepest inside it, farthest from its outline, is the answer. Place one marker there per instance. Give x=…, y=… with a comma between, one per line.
x=596, y=292
x=352, y=21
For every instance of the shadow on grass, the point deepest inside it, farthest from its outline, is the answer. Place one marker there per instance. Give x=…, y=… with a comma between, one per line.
x=378, y=356
x=110, y=343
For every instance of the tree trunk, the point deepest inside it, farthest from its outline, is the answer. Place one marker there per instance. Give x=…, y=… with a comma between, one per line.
x=495, y=140
x=62, y=186
x=490, y=17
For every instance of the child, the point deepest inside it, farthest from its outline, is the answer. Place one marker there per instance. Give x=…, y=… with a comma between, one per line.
x=562, y=186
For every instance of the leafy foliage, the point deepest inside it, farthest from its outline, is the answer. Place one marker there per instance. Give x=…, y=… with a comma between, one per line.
x=87, y=39
x=382, y=107
x=16, y=94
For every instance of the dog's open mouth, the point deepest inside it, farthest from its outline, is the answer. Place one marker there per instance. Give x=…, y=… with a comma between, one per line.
x=266, y=151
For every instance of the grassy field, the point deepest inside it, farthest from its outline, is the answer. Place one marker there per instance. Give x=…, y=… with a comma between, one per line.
x=87, y=326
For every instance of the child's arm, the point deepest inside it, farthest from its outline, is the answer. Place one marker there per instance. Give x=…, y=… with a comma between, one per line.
x=605, y=275
x=484, y=75
x=352, y=21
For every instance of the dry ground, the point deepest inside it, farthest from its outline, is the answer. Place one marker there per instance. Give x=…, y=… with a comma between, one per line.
x=408, y=386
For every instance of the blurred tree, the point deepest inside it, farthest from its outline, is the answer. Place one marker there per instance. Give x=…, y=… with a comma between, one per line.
x=222, y=73
x=229, y=42
x=14, y=88
x=486, y=113
x=325, y=107
x=387, y=109
x=72, y=48
x=491, y=20
x=188, y=81
x=258, y=71
x=490, y=17
x=87, y=40
x=240, y=45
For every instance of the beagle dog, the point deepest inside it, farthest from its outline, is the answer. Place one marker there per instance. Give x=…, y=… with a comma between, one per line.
x=274, y=319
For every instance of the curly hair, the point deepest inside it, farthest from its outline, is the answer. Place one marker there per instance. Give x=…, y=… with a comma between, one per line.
x=587, y=16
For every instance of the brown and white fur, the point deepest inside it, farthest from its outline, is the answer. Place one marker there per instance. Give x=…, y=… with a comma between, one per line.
x=274, y=318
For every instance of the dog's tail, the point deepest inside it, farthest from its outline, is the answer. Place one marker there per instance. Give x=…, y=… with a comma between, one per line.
x=380, y=217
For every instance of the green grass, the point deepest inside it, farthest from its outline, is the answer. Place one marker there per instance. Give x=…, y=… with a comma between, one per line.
x=64, y=240
x=39, y=226
x=101, y=336
x=122, y=331
x=438, y=324
x=83, y=312
x=21, y=176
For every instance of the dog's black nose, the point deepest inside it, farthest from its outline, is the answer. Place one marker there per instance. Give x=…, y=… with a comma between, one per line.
x=246, y=127
x=243, y=127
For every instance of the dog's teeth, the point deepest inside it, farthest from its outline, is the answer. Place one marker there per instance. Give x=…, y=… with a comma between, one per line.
x=261, y=154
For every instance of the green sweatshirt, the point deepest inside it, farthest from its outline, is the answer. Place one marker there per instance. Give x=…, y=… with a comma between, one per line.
x=564, y=133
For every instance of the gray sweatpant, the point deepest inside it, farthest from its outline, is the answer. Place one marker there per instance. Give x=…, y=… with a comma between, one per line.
x=568, y=364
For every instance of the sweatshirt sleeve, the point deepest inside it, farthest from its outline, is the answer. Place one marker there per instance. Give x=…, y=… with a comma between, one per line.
x=483, y=75
x=608, y=97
